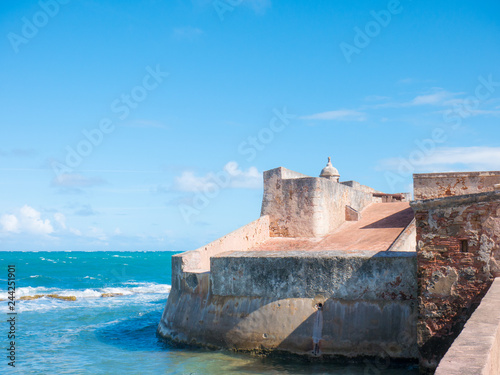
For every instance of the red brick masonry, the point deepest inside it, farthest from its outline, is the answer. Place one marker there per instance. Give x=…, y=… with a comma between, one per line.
x=458, y=247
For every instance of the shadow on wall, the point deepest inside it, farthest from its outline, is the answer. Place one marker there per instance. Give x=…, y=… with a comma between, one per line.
x=398, y=220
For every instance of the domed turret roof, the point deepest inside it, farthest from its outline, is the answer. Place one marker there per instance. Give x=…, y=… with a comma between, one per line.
x=329, y=170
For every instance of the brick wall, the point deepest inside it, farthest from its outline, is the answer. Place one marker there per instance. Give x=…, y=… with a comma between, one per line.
x=458, y=247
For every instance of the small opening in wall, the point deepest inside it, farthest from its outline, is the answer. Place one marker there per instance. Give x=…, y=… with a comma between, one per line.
x=464, y=246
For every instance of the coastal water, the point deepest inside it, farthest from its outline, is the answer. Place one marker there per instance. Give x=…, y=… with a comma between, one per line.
x=108, y=320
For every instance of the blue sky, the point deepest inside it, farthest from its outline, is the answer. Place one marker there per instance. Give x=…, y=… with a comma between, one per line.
x=146, y=125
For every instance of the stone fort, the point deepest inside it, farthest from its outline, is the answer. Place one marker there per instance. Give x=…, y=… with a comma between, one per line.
x=337, y=269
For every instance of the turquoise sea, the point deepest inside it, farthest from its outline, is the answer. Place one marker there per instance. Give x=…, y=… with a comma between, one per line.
x=93, y=334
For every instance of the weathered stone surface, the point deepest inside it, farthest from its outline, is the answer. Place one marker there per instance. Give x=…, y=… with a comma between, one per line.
x=302, y=206
x=437, y=185
x=265, y=324
x=458, y=249
x=361, y=275
x=262, y=302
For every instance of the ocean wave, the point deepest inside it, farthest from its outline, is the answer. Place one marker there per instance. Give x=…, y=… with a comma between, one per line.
x=143, y=288
x=39, y=279
x=49, y=260
x=44, y=304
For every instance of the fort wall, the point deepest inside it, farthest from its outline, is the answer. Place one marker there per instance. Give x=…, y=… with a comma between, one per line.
x=438, y=185
x=308, y=303
x=301, y=206
x=458, y=250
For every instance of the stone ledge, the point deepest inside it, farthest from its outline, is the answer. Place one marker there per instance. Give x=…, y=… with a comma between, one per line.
x=455, y=200
x=456, y=174
x=317, y=254
x=476, y=350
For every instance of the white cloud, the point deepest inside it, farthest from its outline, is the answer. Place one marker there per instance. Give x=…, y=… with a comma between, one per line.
x=450, y=159
x=26, y=220
x=33, y=223
x=76, y=232
x=9, y=223
x=436, y=98
x=466, y=108
x=249, y=179
x=188, y=181
x=60, y=219
x=232, y=176
x=405, y=81
x=472, y=157
x=75, y=180
x=338, y=115
x=97, y=233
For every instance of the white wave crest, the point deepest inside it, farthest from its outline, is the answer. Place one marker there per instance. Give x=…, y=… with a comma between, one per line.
x=142, y=288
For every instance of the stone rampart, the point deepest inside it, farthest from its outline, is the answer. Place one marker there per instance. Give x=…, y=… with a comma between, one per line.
x=309, y=303
x=437, y=185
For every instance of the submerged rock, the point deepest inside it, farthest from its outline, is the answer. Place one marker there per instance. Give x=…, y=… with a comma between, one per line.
x=30, y=298
x=56, y=296
x=64, y=298
x=105, y=295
